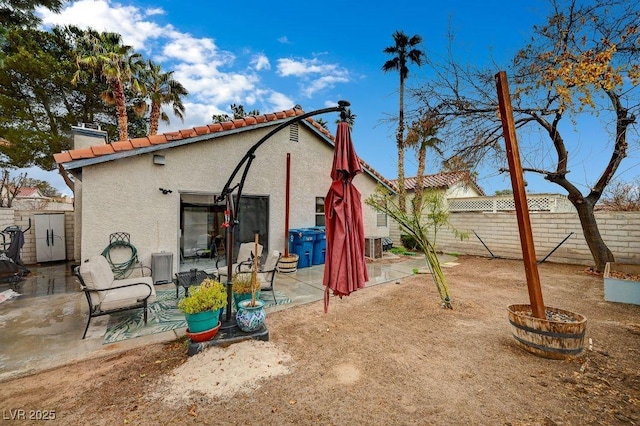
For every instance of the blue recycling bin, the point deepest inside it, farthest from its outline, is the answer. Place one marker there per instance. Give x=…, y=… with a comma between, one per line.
x=301, y=243
x=319, y=245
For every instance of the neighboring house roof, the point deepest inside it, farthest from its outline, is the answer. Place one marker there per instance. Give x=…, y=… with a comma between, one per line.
x=441, y=181
x=29, y=192
x=78, y=158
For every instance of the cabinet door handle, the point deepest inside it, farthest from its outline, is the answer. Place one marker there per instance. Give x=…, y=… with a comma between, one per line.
x=52, y=244
x=47, y=238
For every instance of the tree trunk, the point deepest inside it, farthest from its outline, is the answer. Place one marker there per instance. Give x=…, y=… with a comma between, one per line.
x=154, y=118
x=599, y=250
x=65, y=176
x=121, y=110
x=400, y=143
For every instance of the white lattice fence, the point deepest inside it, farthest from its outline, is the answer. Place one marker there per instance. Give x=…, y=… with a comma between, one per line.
x=554, y=203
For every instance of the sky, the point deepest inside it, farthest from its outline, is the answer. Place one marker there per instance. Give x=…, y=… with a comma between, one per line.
x=271, y=56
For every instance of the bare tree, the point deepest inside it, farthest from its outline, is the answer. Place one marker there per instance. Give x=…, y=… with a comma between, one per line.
x=582, y=62
x=9, y=187
x=622, y=196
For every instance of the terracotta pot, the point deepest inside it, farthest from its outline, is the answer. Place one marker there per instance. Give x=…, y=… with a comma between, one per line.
x=203, y=336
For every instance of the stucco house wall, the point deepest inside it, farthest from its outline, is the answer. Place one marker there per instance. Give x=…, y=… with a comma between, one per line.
x=123, y=195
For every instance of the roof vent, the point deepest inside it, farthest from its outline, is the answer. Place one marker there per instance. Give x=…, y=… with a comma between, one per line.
x=293, y=132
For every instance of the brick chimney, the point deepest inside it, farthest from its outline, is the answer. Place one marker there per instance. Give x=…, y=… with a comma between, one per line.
x=87, y=134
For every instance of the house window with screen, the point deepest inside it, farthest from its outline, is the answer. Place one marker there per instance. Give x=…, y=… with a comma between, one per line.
x=381, y=219
x=319, y=211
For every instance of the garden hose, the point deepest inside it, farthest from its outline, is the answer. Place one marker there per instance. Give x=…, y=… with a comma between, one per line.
x=121, y=269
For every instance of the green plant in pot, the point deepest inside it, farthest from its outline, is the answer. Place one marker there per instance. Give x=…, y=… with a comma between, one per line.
x=250, y=313
x=243, y=287
x=203, y=306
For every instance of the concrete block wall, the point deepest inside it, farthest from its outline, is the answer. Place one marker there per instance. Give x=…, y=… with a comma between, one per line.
x=11, y=217
x=499, y=231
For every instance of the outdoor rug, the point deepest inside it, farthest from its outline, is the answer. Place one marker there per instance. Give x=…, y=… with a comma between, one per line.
x=267, y=297
x=162, y=315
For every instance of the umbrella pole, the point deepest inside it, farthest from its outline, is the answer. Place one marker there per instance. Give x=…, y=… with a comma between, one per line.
x=230, y=231
x=286, y=206
x=520, y=197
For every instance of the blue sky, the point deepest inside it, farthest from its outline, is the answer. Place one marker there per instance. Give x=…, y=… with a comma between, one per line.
x=270, y=57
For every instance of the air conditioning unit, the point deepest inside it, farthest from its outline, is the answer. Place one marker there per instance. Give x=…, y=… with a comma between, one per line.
x=373, y=247
x=162, y=268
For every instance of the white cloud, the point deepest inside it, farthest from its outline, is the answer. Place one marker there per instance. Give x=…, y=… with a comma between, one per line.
x=102, y=16
x=284, y=40
x=215, y=78
x=329, y=74
x=260, y=62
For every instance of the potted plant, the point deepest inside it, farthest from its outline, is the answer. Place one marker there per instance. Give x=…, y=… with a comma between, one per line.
x=202, y=308
x=243, y=287
x=250, y=313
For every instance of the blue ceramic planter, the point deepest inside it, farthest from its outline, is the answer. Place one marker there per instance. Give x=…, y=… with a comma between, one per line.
x=250, y=318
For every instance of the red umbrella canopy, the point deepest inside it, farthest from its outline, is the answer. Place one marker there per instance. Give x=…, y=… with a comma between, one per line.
x=345, y=270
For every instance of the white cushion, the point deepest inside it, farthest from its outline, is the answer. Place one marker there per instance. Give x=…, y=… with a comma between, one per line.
x=96, y=273
x=127, y=296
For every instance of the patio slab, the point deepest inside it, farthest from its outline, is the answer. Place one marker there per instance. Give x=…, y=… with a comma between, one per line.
x=42, y=329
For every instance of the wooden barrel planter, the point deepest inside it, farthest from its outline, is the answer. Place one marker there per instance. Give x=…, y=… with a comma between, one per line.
x=559, y=336
x=288, y=264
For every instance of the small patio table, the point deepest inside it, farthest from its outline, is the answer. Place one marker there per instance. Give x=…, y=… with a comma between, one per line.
x=188, y=278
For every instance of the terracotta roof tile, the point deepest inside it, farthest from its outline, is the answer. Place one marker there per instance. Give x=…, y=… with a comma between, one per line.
x=281, y=114
x=78, y=154
x=260, y=119
x=140, y=142
x=215, y=127
x=99, y=150
x=187, y=133
x=227, y=125
x=120, y=146
x=271, y=117
x=62, y=157
x=201, y=130
x=157, y=139
x=239, y=123
x=174, y=136
x=250, y=120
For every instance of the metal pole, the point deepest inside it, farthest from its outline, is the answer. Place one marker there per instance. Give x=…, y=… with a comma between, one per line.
x=519, y=196
x=286, y=208
x=556, y=248
x=485, y=246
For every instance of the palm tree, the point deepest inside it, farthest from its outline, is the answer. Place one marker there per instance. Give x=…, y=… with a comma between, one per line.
x=404, y=51
x=421, y=136
x=106, y=56
x=162, y=89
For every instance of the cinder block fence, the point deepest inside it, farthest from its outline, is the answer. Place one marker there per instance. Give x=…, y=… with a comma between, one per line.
x=499, y=232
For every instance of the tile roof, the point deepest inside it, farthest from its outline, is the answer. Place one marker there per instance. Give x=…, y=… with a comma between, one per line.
x=101, y=150
x=28, y=192
x=440, y=181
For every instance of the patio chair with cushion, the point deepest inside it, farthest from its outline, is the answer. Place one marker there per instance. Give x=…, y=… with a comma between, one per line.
x=107, y=295
x=267, y=274
x=243, y=260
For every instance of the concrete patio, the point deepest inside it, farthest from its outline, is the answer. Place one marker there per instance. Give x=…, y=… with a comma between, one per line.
x=42, y=328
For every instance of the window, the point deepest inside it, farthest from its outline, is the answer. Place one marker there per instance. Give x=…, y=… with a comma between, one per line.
x=319, y=211
x=381, y=219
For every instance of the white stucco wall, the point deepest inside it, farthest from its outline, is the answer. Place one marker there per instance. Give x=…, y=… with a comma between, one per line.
x=123, y=195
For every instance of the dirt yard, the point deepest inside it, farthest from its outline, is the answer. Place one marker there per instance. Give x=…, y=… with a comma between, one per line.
x=386, y=355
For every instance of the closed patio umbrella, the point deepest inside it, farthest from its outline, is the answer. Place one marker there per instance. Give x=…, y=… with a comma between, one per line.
x=345, y=270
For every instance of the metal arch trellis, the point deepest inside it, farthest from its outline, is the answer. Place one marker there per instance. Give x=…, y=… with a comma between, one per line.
x=232, y=212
